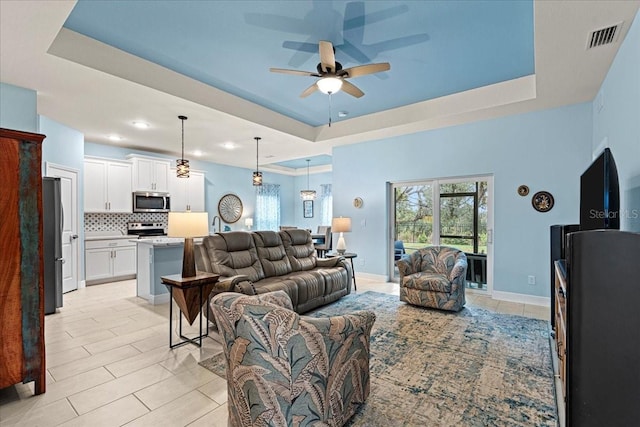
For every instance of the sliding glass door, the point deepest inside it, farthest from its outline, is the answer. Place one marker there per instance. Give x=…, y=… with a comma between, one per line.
x=448, y=212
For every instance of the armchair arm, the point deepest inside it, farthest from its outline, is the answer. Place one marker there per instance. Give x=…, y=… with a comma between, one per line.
x=356, y=322
x=458, y=271
x=405, y=265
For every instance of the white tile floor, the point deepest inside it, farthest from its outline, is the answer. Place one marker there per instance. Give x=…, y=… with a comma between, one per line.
x=109, y=364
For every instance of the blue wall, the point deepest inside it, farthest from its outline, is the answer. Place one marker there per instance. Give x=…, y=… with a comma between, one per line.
x=616, y=117
x=545, y=150
x=18, y=108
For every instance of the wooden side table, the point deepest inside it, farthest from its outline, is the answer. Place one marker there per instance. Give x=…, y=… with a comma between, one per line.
x=190, y=293
x=350, y=256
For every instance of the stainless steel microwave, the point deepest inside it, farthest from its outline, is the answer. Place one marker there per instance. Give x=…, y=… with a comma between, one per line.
x=151, y=202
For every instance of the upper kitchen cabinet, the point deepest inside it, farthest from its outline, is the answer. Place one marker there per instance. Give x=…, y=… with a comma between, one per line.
x=150, y=174
x=187, y=193
x=107, y=185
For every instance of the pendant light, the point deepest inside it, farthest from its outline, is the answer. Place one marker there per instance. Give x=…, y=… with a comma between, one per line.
x=308, y=194
x=182, y=165
x=257, y=175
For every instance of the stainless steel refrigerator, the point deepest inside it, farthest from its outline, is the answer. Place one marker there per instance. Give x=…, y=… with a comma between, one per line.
x=52, y=224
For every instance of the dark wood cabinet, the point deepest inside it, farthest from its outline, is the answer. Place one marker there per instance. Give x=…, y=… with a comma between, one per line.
x=597, y=325
x=22, y=355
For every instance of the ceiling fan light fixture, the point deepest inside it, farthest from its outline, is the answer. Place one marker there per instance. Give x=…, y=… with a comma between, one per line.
x=329, y=85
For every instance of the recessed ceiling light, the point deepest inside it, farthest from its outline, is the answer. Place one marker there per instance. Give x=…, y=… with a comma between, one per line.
x=229, y=145
x=115, y=138
x=197, y=153
x=141, y=125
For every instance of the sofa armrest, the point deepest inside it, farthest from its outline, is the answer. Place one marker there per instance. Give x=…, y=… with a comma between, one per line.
x=228, y=284
x=329, y=262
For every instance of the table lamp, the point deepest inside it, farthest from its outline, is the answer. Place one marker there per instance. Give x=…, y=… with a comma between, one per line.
x=341, y=225
x=188, y=225
x=248, y=222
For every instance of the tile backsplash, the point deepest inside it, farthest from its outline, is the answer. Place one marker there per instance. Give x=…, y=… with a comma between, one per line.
x=118, y=221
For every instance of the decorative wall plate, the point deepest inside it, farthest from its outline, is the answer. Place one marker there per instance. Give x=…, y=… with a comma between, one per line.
x=230, y=208
x=542, y=201
x=358, y=202
x=523, y=190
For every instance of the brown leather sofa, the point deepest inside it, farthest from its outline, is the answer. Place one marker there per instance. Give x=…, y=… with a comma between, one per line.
x=258, y=262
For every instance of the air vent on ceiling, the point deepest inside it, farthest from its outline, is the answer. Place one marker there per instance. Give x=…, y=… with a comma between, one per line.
x=604, y=36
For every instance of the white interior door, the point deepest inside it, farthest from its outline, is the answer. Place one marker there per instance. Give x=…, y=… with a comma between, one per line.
x=69, y=194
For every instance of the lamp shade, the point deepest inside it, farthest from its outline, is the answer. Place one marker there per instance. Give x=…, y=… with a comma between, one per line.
x=329, y=85
x=341, y=225
x=248, y=222
x=188, y=224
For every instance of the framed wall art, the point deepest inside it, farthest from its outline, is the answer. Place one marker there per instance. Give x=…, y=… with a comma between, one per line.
x=307, y=208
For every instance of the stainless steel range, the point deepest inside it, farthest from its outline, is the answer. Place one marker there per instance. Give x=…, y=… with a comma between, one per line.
x=146, y=229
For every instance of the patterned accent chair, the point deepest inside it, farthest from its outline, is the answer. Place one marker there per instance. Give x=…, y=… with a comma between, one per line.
x=284, y=369
x=434, y=277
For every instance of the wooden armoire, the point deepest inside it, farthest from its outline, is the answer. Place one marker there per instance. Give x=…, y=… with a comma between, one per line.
x=22, y=355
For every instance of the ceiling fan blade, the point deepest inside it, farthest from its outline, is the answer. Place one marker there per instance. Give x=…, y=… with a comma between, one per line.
x=308, y=91
x=363, y=70
x=351, y=89
x=301, y=46
x=327, y=57
x=294, y=72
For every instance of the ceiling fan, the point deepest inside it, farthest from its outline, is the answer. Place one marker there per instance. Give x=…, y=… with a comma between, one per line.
x=332, y=75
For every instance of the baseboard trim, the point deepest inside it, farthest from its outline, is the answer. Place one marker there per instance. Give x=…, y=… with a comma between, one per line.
x=82, y=284
x=369, y=276
x=521, y=298
x=158, y=299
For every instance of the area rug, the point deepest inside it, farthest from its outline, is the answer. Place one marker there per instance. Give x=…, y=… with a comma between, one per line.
x=434, y=368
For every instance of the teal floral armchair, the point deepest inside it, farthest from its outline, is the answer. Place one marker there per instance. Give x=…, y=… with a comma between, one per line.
x=284, y=369
x=434, y=277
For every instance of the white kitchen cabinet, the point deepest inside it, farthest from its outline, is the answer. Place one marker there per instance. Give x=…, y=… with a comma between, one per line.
x=109, y=260
x=107, y=185
x=150, y=174
x=187, y=193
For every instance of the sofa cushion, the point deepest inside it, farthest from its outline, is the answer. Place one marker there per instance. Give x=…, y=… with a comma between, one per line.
x=272, y=284
x=271, y=253
x=434, y=282
x=234, y=253
x=299, y=248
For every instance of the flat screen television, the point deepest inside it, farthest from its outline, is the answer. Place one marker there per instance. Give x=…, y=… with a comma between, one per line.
x=600, y=194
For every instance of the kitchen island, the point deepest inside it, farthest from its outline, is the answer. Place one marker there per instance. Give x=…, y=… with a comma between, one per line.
x=157, y=257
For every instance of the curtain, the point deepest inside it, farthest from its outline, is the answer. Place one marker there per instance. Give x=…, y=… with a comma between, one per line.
x=326, y=204
x=267, y=207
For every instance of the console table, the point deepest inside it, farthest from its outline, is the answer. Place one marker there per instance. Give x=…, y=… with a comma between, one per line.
x=189, y=293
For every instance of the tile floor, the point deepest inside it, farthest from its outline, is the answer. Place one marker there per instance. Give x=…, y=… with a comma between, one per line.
x=108, y=364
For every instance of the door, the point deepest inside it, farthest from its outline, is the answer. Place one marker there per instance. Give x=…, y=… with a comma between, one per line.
x=450, y=212
x=70, y=250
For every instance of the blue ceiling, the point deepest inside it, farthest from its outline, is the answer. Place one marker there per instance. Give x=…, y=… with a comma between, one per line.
x=435, y=48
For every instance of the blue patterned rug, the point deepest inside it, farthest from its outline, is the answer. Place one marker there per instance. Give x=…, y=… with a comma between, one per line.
x=434, y=368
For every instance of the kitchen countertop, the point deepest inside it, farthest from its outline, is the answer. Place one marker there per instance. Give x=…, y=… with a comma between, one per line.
x=105, y=235
x=159, y=241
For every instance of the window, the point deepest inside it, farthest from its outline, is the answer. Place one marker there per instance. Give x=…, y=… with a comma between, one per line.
x=326, y=204
x=267, y=207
